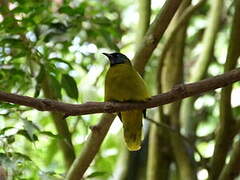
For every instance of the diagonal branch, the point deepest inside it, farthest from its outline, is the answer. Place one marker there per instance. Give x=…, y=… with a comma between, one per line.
x=177, y=93
x=91, y=148
x=232, y=169
x=154, y=34
x=180, y=23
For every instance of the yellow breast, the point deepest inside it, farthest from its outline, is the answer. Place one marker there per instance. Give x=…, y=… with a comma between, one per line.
x=123, y=83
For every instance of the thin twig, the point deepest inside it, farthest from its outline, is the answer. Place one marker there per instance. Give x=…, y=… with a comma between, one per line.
x=232, y=169
x=165, y=126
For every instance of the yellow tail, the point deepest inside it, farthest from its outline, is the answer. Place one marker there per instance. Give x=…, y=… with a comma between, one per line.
x=132, y=129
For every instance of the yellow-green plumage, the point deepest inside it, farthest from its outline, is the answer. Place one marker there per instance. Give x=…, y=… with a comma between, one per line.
x=123, y=83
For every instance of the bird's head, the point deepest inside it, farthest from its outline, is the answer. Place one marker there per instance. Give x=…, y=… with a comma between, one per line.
x=117, y=58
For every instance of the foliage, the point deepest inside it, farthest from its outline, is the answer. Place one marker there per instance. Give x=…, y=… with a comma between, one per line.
x=58, y=40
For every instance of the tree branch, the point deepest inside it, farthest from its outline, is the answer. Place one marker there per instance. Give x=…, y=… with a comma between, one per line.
x=91, y=148
x=174, y=131
x=177, y=93
x=184, y=17
x=154, y=34
x=231, y=170
x=227, y=129
x=199, y=70
x=183, y=154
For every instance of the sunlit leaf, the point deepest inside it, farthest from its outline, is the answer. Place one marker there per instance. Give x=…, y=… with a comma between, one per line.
x=8, y=105
x=30, y=128
x=27, y=136
x=2, y=131
x=52, y=149
x=61, y=60
x=55, y=36
x=22, y=156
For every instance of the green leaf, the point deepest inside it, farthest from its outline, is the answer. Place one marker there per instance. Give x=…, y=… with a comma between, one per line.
x=236, y=111
x=2, y=131
x=10, y=139
x=17, y=43
x=22, y=156
x=56, y=87
x=74, y=11
x=70, y=86
x=60, y=27
x=30, y=128
x=96, y=174
x=48, y=133
x=50, y=36
x=7, y=105
x=8, y=24
x=81, y=8
x=61, y=60
x=30, y=125
x=37, y=90
x=52, y=149
x=67, y=10
x=41, y=75
x=3, y=156
x=27, y=136
x=102, y=21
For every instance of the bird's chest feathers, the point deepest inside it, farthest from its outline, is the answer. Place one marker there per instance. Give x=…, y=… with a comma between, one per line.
x=120, y=77
x=123, y=84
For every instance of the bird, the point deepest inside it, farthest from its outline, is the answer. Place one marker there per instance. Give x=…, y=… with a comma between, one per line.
x=124, y=84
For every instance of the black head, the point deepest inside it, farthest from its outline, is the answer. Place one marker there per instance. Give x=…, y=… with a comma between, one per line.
x=117, y=58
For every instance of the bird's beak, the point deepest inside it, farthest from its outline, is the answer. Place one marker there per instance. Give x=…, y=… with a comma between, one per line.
x=108, y=55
